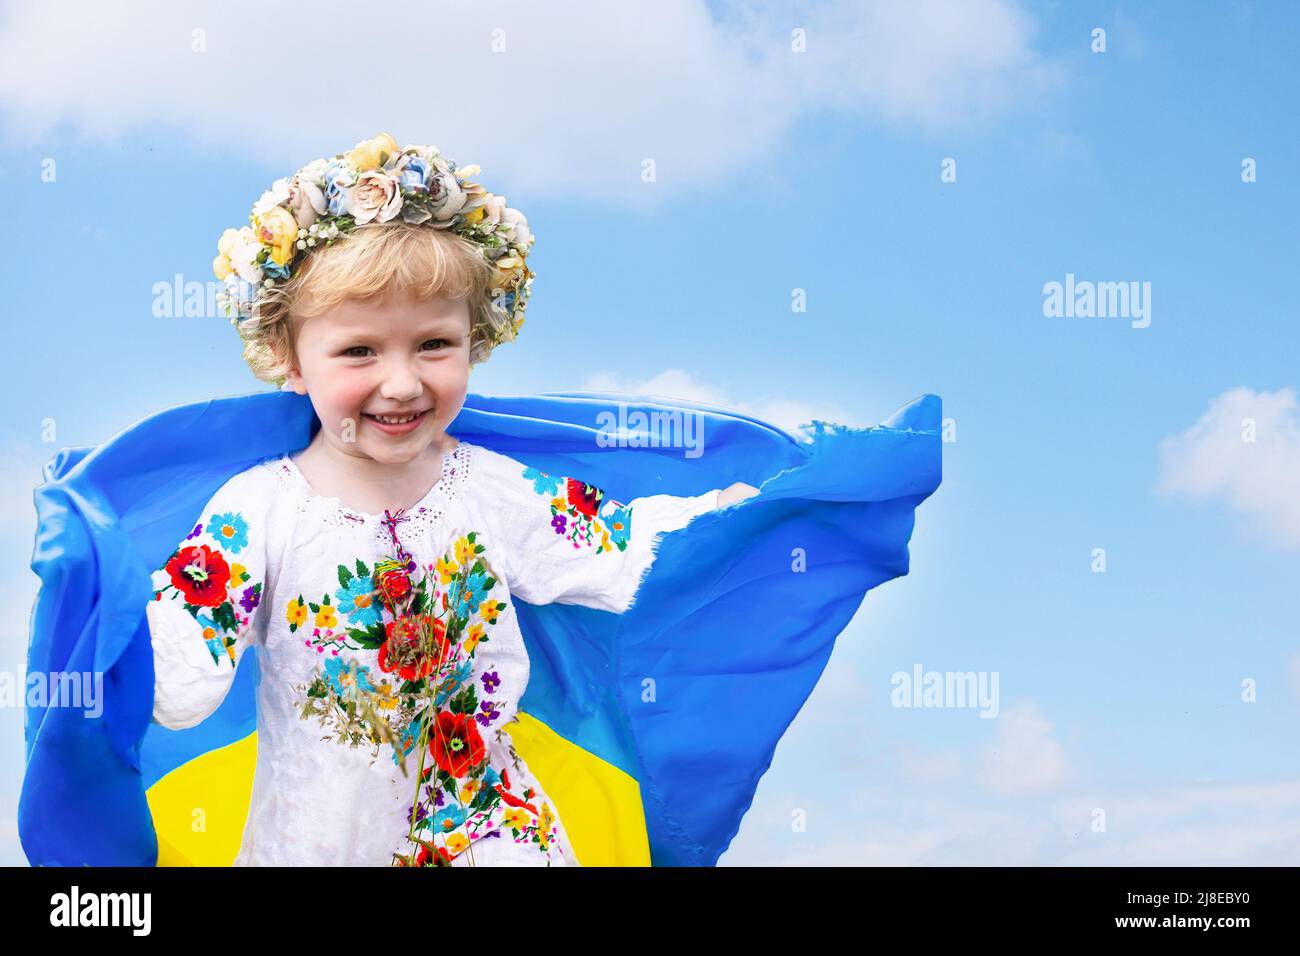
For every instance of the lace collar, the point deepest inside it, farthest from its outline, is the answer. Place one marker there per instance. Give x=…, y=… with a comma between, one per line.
x=423, y=514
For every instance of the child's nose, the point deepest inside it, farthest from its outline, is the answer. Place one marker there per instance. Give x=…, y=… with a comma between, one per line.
x=400, y=382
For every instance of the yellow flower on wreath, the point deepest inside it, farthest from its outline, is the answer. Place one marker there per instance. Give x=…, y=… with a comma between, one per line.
x=372, y=153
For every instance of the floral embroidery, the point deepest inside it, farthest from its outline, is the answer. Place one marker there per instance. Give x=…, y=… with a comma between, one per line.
x=421, y=701
x=211, y=588
x=576, y=512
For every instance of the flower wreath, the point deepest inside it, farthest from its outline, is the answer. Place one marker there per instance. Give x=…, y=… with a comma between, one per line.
x=373, y=182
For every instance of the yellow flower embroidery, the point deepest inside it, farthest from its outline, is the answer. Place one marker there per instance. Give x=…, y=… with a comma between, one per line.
x=473, y=637
x=238, y=572
x=544, y=826
x=326, y=617
x=446, y=569
x=386, y=699
x=516, y=818
x=455, y=843
x=470, y=788
x=296, y=612
x=464, y=550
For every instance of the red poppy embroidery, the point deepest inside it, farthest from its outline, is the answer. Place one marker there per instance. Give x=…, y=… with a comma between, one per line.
x=456, y=746
x=201, y=574
x=584, y=497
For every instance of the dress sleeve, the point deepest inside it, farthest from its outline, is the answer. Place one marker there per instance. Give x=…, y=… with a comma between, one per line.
x=568, y=542
x=207, y=605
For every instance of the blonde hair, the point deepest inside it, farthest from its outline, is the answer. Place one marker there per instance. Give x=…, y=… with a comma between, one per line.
x=372, y=261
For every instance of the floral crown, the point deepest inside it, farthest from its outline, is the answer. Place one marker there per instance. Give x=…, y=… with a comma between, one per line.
x=373, y=182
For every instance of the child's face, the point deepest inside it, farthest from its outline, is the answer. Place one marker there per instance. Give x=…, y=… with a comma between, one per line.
x=389, y=357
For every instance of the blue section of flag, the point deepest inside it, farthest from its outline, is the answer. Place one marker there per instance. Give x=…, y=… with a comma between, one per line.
x=688, y=692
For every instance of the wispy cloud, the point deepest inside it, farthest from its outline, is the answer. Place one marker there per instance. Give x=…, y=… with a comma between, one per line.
x=1246, y=450
x=566, y=96
x=1024, y=757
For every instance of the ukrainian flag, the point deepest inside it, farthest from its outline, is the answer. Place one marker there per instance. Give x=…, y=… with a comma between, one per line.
x=650, y=729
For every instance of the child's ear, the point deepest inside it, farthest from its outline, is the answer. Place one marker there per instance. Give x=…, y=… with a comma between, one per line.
x=294, y=381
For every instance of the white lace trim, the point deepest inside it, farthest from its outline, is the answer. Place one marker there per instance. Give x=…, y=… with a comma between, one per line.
x=424, y=516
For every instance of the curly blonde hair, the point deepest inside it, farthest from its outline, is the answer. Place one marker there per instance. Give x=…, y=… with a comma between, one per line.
x=367, y=263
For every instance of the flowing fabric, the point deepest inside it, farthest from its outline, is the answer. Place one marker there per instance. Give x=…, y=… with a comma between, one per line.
x=687, y=693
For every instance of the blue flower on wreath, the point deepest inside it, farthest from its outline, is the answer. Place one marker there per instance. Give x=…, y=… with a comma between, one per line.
x=414, y=175
x=543, y=483
x=274, y=271
x=229, y=530
x=336, y=193
x=365, y=613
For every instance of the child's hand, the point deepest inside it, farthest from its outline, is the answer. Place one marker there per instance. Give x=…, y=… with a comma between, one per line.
x=737, y=492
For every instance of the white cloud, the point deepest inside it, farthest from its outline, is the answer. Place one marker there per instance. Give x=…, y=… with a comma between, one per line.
x=580, y=94
x=920, y=767
x=785, y=413
x=1259, y=478
x=936, y=808
x=1023, y=757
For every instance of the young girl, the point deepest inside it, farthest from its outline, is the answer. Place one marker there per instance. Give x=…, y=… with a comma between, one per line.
x=406, y=558
x=376, y=569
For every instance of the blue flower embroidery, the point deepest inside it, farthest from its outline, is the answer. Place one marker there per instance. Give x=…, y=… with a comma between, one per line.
x=366, y=612
x=407, y=737
x=448, y=818
x=618, y=522
x=230, y=531
x=452, y=682
x=465, y=593
x=543, y=483
x=336, y=669
x=215, y=647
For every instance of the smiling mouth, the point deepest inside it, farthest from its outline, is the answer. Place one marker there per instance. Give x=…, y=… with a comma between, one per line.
x=396, y=419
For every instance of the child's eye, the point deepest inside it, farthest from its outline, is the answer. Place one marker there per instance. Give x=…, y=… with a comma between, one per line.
x=352, y=352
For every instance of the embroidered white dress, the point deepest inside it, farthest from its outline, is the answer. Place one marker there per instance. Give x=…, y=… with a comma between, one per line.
x=326, y=595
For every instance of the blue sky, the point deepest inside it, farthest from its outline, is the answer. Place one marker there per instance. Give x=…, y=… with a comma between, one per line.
x=818, y=171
